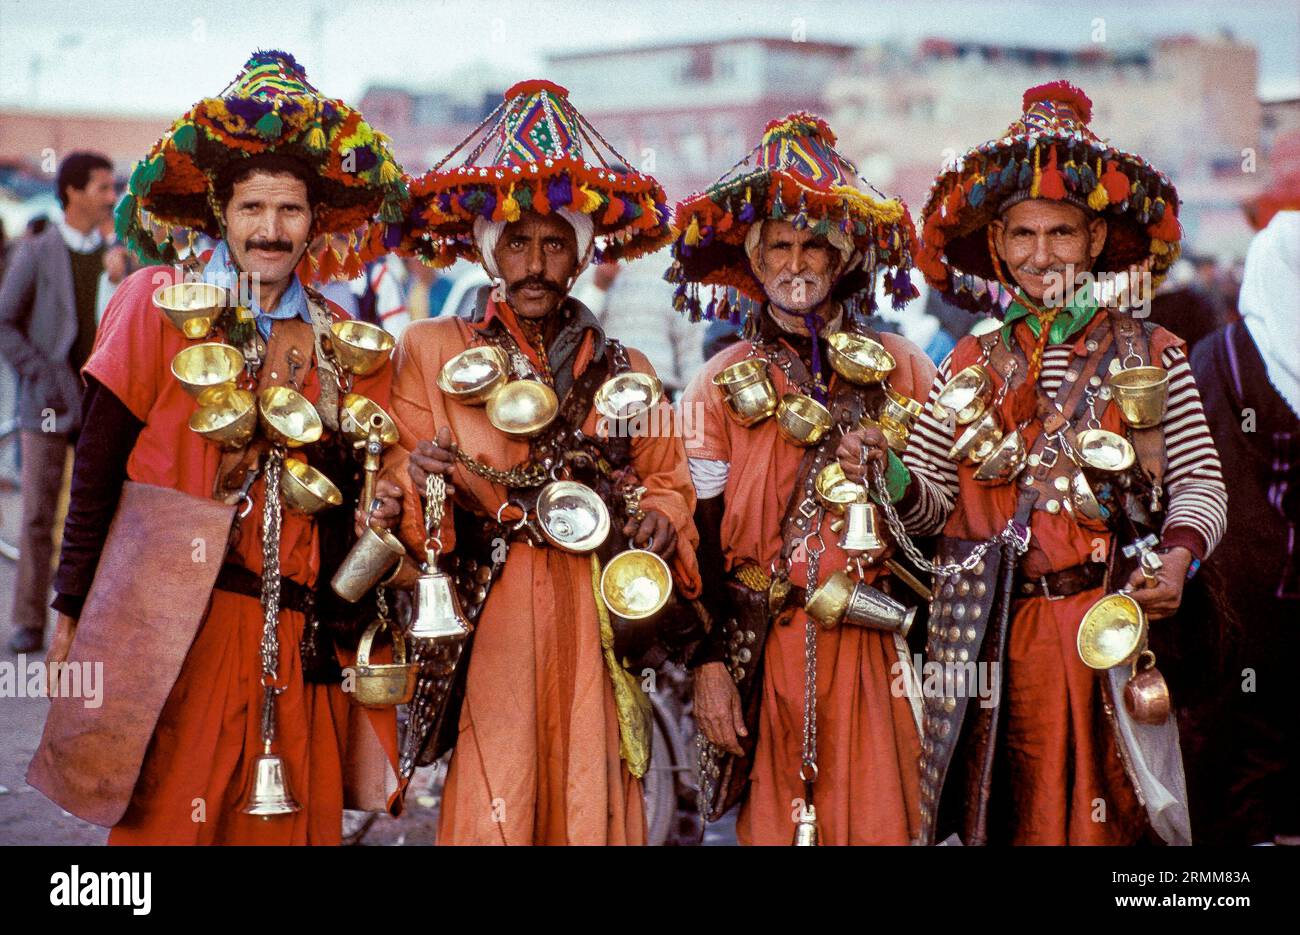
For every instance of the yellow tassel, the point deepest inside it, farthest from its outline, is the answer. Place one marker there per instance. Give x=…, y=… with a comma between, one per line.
x=1038, y=175
x=693, y=232
x=1098, y=199
x=315, y=140
x=388, y=172
x=510, y=207
x=1159, y=246
x=590, y=200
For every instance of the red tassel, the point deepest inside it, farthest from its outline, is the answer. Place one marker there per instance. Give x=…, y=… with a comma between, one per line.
x=1116, y=183
x=329, y=264
x=352, y=267
x=1052, y=183
x=956, y=198
x=541, y=204
x=613, y=211
x=1167, y=228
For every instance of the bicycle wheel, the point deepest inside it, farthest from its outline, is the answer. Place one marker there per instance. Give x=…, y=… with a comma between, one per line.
x=11, y=491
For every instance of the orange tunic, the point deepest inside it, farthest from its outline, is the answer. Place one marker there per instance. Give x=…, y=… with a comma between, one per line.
x=867, y=791
x=199, y=763
x=537, y=757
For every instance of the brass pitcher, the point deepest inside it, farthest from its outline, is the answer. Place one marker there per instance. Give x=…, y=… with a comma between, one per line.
x=1146, y=694
x=383, y=684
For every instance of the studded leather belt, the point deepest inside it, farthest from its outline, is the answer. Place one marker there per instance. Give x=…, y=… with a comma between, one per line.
x=1063, y=583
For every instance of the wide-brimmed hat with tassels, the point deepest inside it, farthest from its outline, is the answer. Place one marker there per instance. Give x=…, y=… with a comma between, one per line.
x=269, y=108
x=1048, y=152
x=537, y=162
x=793, y=174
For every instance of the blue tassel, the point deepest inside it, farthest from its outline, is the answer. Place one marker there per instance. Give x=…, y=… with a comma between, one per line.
x=746, y=213
x=976, y=196
x=392, y=236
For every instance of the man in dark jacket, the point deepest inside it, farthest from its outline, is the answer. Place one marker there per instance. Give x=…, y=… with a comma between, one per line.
x=47, y=328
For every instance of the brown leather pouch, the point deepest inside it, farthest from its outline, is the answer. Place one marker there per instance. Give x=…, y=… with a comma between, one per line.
x=150, y=596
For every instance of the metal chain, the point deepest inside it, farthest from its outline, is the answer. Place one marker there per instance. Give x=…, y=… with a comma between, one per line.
x=270, y=648
x=435, y=498
x=530, y=474
x=808, y=768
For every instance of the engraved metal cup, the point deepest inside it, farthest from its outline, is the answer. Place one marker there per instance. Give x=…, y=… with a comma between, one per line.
x=371, y=558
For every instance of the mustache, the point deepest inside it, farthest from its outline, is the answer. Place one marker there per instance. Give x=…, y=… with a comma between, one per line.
x=537, y=281
x=282, y=246
x=1033, y=270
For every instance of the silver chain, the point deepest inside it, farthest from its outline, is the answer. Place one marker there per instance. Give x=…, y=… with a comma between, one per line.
x=808, y=768
x=270, y=650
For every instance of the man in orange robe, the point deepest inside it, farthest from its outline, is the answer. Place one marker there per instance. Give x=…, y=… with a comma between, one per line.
x=553, y=731
x=792, y=246
x=200, y=761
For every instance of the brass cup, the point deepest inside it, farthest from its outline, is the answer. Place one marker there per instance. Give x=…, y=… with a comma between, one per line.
x=204, y=367
x=1104, y=451
x=1004, y=462
x=362, y=348
x=1141, y=394
x=834, y=490
x=371, y=558
x=802, y=420
x=636, y=584
x=964, y=397
x=1146, y=694
x=1112, y=631
x=306, y=489
x=748, y=394
x=828, y=602
x=191, y=306
x=895, y=435
x=522, y=408
x=383, y=684
x=358, y=417
x=628, y=395
x=571, y=516
x=901, y=410
x=1085, y=501
x=228, y=419
x=858, y=358
x=288, y=417
x=978, y=440
x=741, y=374
x=474, y=374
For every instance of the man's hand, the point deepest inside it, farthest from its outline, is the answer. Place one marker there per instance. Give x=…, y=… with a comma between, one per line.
x=385, y=512
x=1160, y=598
x=64, y=630
x=654, y=532
x=717, y=707
x=435, y=457
x=860, y=448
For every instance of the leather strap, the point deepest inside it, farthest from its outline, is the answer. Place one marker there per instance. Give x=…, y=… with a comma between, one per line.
x=239, y=580
x=1065, y=582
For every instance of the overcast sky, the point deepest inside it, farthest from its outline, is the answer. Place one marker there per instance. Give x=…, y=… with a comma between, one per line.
x=160, y=56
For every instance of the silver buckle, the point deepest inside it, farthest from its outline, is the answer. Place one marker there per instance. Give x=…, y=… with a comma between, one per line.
x=1047, y=592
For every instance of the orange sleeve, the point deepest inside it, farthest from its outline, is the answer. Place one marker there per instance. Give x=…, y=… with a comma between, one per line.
x=913, y=372
x=129, y=354
x=705, y=425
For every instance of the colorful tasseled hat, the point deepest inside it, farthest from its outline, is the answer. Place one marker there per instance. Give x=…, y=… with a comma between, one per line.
x=1049, y=152
x=538, y=163
x=269, y=108
x=794, y=174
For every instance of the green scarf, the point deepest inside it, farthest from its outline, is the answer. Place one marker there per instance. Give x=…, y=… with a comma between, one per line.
x=1072, y=319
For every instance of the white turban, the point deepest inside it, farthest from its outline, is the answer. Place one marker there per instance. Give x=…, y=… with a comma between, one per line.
x=487, y=233
x=836, y=237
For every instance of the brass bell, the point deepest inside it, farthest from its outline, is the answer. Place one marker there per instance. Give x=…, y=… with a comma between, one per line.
x=860, y=534
x=805, y=828
x=437, y=609
x=269, y=795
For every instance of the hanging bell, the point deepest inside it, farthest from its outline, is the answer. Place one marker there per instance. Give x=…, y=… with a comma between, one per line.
x=437, y=609
x=860, y=533
x=805, y=828
x=269, y=795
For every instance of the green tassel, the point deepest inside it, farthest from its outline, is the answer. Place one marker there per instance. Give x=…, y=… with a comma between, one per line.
x=315, y=139
x=185, y=137
x=269, y=126
x=391, y=211
x=146, y=172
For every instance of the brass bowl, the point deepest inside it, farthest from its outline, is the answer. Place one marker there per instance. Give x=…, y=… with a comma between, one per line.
x=191, y=306
x=362, y=348
x=636, y=584
x=306, y=489
x=203, y=367
x=474, y=374
x=228, y=419
x=1104, y=451
x=858, y=358
x=1085, y=501
x=1112, y=632
x=628, y=395
x=522, y=408
x=752, y=403
x=900, y=410
x=359, y=413
x=571, y=516
x=383, y=684
x=896, y=436
x=964, y=397
x=836, y=491
x=741, y=374
x=288, y=417
x=1004, y=462
x=1141, y=393
x=978, y=440
x=802, y=420
x=829, y=601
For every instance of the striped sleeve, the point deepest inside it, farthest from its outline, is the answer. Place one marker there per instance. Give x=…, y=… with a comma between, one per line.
x=933, y=491
x=1197, y=511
